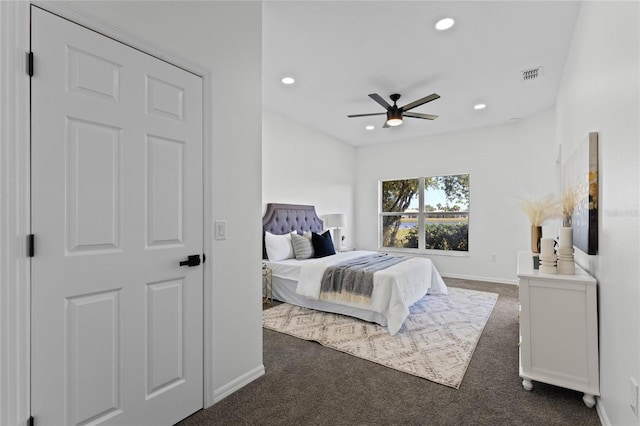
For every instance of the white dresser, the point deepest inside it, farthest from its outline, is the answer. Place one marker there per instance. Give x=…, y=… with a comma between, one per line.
x=558, y=329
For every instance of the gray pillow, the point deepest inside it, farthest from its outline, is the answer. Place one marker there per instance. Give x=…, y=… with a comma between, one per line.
x=302, y=247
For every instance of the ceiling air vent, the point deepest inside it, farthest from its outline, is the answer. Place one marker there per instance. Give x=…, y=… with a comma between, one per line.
x=531, y=73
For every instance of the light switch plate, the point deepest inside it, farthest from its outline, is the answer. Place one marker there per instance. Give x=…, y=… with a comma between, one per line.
x=220, y=229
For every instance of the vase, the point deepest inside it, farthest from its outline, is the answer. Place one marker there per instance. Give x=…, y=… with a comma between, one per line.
x=536, y=234
x=567, y=220
x=566, y=265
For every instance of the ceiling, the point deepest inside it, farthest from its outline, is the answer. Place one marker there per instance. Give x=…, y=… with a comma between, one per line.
x=341, y=51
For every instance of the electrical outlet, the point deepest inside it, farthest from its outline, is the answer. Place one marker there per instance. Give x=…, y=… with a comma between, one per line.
x=494, y=257
x=633, y=394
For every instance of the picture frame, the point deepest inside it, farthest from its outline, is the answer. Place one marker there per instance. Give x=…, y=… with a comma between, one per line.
x=580, y=188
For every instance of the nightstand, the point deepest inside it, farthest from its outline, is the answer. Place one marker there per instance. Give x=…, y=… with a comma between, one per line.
x=267, y=285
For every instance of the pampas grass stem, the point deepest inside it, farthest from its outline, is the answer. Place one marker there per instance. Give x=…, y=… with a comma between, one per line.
x=539, y=211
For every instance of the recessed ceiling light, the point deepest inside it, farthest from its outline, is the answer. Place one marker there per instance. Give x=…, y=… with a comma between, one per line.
x=370, y=127
x=479, y=106
x=444, y=24
x=288, y=80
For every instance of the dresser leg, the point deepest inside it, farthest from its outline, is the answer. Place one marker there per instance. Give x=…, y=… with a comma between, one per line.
x=527, y=384
x=589, y=400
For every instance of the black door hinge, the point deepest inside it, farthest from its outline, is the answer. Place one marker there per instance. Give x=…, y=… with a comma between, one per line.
x=30, y=245
x=30, y=64
x=30, y=421
x=204, y=258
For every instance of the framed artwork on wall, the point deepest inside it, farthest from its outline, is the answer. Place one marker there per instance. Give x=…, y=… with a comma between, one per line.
x=581, y=194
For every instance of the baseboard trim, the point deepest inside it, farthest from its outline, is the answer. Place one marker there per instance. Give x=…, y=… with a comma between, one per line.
x=237, y=383
x=484, y=279
x=604, y=419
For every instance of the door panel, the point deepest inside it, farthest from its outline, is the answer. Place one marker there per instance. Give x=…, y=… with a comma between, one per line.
x=164, y=99
x=165, y=343
x=93, y=356
x=92, y=75
x=93, y=187
x=116, y=205
x=164, y=191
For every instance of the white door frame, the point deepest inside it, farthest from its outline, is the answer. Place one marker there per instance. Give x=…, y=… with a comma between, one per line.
x=15, y=208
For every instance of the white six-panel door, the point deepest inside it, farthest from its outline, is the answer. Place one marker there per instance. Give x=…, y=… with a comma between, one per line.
x=116, y=205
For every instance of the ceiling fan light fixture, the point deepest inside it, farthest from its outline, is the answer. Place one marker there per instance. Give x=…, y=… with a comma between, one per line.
x=444, y=24
x=394, y=117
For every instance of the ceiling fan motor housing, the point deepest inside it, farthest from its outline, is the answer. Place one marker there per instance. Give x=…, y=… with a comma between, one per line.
x=394, y=113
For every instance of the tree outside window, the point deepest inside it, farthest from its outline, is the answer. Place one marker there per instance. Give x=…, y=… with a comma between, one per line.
x=426, y=213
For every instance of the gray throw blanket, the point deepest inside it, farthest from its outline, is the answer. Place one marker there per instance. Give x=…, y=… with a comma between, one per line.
x=352, y=280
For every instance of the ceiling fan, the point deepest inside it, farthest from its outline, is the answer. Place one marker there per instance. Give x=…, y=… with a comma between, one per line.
x=395, y=113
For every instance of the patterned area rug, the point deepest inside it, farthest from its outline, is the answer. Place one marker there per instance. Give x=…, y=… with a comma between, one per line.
x=436, y=341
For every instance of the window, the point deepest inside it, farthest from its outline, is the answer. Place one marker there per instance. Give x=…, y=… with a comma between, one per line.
x=426, y=213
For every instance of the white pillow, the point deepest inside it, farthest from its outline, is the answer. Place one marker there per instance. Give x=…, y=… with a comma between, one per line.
x=278, y=246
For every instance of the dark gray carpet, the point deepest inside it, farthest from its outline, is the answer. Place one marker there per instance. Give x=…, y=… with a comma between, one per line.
x=308, y=384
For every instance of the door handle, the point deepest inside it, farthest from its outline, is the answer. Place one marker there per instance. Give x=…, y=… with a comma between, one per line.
x=193, y=260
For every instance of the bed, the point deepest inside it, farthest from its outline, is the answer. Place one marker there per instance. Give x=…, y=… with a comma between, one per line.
x=297, y=281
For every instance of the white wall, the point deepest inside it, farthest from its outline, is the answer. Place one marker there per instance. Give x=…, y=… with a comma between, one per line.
x=504, y=163
x=600, y=92
x=302, y=166
x=225, y=37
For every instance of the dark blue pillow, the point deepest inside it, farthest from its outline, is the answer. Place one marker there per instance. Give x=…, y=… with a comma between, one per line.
x=322, y=244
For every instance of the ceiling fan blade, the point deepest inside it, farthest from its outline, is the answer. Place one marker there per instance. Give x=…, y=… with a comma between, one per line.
x=385, y=125
x=431, y=97
x=418, y=115
x=366, y=115
x=379, y=100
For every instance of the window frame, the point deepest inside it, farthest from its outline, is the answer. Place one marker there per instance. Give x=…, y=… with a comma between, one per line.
x=421, y=214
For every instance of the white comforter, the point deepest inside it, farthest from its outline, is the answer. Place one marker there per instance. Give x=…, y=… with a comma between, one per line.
x=394, y=289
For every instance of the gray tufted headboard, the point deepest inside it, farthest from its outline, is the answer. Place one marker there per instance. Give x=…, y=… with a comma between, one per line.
x=281, y=219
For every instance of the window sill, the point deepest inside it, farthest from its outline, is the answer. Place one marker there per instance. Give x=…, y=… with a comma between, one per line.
x=416, y=252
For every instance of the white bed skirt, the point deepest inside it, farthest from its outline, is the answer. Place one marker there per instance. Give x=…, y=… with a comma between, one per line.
x=284, y=290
